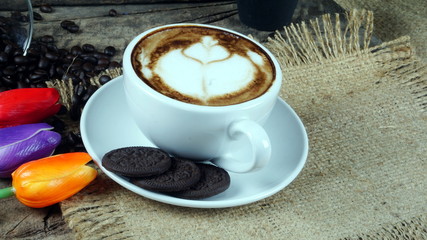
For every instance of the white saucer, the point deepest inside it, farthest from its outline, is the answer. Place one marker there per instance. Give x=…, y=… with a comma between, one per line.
x=106, y=125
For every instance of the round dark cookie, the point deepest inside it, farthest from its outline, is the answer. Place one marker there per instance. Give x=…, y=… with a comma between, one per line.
x=181, y=175
x=137, y=161
x=214, y=180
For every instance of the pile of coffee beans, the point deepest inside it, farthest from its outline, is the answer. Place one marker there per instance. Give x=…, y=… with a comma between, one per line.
x=45, y=61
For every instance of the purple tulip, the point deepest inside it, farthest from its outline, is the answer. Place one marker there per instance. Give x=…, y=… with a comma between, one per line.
x=24, y=143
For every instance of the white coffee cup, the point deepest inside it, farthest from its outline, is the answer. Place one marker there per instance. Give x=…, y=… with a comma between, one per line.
x=231, y=136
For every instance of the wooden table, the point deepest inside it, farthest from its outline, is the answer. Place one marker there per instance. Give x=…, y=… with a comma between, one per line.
x=101, y=30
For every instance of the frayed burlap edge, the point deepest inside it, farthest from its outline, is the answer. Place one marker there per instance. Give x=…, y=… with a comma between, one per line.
x=323, y=40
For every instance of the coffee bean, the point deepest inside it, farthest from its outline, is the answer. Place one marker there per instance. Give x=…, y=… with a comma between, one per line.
x=89, y=48
x=79, y=90
x=20, y=59
x=37, y=16
x=114, y=64
x=112, y=13
x=66, y=23
x=43, y=62
x=104, y=79
x=110, y=51
x=73, y=28
x=52, y=56
x=100, y=67
x=100, y=55
x=46, y=8
x=103, y=61
x=76, y=50
x=88, y=67
x=47, y=39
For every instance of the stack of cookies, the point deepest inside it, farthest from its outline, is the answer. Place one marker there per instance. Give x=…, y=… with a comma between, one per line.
x=154, y=170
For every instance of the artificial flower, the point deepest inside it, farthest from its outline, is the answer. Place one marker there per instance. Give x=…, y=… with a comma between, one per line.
x=27, y=105
x=24, y=143
x=50, y=180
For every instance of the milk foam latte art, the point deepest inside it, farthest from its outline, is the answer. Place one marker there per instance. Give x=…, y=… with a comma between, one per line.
x=203, y=66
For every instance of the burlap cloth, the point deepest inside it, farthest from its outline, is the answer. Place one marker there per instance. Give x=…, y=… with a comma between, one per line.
x=395, y=18
x=365, y=111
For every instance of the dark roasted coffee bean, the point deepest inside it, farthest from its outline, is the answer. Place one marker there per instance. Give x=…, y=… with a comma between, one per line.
x=20, y=59
x=114, y=64
x=76, y=50
x=89, y=48
x=110, y=51
x=37, y=16
x=90, y=90
x=43, y=62
x=79, y=90
x=52, y=56
x=112, y=13
x=73, y=28
x=34, y=77
x=100, y=67
x=46, y=8
x=52, y=48
x=103, y=61
x=100, y=55
x=88, y=67
x=104, y=79
x=90, y=59
x=47, y=39
x=66, y=23
x=62, y=52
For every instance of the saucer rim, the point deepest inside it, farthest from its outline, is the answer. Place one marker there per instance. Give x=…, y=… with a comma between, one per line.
x=204, y=203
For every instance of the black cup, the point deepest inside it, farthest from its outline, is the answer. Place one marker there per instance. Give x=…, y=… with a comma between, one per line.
x=266, y=15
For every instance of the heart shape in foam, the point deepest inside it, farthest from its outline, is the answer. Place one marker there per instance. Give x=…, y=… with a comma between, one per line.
x=206, y=69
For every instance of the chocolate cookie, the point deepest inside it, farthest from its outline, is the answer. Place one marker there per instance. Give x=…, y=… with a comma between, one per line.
x=181, y=175
x=214, y=180
x=137, y=161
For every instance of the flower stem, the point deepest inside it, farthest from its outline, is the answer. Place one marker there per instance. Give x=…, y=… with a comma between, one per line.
x=6, y=192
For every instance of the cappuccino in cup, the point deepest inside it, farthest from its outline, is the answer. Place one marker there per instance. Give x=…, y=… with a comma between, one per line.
x=203, y=66
x=202, y=92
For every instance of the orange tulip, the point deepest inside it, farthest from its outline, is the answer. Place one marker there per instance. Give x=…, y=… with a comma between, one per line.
x=49, y=180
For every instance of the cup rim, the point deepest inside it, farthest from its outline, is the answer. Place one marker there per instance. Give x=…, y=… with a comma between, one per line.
x=272, y=91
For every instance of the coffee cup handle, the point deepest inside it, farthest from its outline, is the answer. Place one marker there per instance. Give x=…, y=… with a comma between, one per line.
x=248, y=147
